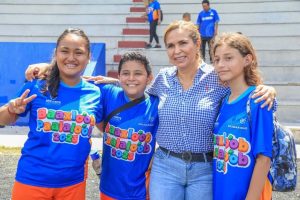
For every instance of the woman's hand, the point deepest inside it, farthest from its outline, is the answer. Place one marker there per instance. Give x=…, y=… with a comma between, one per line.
x=101, y=79
x=35, y=71
x=18, y=105
x=266, y=93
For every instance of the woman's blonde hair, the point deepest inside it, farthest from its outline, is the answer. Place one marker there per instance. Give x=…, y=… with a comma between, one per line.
x=187, y=26
x=243, y=45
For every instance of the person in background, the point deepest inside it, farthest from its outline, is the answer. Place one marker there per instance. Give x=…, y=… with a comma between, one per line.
x=153, y=15
x=242, y=147
x=190, y=95
x=64, y=109
x=186, y=16
x=207, y=22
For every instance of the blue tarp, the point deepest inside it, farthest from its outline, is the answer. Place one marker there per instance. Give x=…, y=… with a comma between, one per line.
x=16, y=56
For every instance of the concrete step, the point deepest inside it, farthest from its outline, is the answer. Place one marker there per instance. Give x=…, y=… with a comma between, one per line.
x=287, y=92
x=68, y=2
x=289, y=112
x=284, y=73
x=117, y=58
x=71, y=19
x=131, y=31
x=118, y=18
x=79, y=9
x=138, y=9
x=106, y=29
x=112, y=73
x=131, y=44
x=232, y=7
x=135, y=20
x=220, y=1
x=265, y=30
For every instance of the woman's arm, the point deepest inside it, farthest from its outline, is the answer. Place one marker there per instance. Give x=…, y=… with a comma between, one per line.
x=259, y=176
x=7, y=116
x=266, y=93
x=9, y=112
x=38, y=70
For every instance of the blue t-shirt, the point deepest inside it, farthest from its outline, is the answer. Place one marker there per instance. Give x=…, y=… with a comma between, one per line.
x=128, y=145
x=58, y=144
x=152, y=11
x=236, y=146
x=206, y=22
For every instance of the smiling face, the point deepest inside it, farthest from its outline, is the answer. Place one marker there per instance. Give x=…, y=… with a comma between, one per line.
x=182, y=51
x=230, y=64
x=134, y=78
x=72, y=56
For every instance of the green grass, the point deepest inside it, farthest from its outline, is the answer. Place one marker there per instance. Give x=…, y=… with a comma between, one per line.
x=10, y=150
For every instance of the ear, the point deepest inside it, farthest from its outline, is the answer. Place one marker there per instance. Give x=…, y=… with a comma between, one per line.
x=149, y=79
x=248, y=59
x=198, y=43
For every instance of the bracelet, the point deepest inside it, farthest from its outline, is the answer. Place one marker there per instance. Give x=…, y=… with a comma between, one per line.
x=11, y=113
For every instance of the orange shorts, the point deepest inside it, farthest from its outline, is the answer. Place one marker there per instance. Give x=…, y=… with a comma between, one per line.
x=105, y=197
x=22, y=191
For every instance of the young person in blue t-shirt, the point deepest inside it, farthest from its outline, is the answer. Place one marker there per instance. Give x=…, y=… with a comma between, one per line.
x=129, y=137
x=63, y=110
x=207, y=22
x=242, y=147
x=153, y=13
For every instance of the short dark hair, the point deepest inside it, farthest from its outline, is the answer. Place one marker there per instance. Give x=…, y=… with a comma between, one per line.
x=135, y=56
x=205, y=1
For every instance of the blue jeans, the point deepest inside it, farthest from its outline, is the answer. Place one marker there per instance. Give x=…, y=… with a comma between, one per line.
x=174, y=179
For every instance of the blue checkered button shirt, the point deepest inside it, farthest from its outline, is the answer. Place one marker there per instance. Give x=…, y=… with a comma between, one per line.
x=186, y=117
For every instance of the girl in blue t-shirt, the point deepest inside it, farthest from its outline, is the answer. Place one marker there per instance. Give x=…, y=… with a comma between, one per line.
x=63, y=109
x=242, y=147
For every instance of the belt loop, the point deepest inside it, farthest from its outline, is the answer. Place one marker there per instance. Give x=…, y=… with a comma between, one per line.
x=168, y=154
x=204, y=155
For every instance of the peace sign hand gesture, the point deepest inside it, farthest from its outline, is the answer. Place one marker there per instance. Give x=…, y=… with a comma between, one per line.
x=18, y=105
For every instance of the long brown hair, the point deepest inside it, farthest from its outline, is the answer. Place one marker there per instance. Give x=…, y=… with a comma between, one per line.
x=243, y=45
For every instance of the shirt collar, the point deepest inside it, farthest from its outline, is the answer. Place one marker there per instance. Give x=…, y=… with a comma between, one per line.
x=203, y=69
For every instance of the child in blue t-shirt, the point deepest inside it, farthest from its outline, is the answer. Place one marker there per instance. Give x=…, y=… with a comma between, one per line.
x=129, y=136
x=63, y=109
x=242, y=147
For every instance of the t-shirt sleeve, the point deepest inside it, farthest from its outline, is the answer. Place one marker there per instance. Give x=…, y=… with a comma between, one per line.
x=99, y=109
x=261, y=130
x=217, y=18
x=156, y=6
x=156, y=86
x=199, y=20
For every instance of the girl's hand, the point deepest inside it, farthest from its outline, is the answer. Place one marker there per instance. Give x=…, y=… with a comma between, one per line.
x=18, y=105
x=101, y=79
x=266, y=93
x=35, y=71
